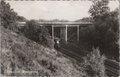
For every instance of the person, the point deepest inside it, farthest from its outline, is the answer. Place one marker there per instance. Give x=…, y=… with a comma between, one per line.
x=57, y=44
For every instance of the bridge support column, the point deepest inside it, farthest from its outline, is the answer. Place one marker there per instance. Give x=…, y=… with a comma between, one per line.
x=78, y=33
x=41, y=25
x=53, y=32
x=66, y=33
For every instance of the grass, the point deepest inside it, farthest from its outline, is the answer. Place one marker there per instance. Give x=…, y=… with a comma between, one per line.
x=23, y=57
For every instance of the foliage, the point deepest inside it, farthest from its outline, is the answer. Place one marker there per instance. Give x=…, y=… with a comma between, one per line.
x=32, y=30
x=94, y=64
x=8, y=16
x=85, y=19
x=24, y=55
x=40, y=34
x=45, y=38
x=99, y=8
x=21, y=19
x=105, y=29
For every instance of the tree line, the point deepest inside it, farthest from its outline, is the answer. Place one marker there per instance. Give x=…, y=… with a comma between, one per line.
x=104, y=33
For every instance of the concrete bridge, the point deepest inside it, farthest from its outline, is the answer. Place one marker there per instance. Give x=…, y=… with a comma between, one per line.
x=63, y=26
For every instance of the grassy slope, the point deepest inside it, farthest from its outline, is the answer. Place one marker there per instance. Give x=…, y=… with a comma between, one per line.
x=21, y=54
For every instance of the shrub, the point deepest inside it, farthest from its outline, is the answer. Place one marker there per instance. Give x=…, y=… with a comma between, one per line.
x=8, y=16
x=94, y=64
x=35, y=32
x=32, y=30
x=45, y=38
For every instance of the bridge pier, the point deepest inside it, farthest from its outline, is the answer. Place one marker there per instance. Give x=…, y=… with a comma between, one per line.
x=78, y=33
x=64, y=33
x=66, y=29
x=53, y=32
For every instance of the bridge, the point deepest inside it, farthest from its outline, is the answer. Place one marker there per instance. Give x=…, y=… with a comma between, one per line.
x=63, y=26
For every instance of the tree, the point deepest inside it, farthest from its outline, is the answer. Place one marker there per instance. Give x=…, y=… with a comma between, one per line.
x=21, y=19
x=45, y=38
x=105, y=30
x=99, y=8
x=8, y=16
x=37, y=33
x=32, y=30
x=94, y=64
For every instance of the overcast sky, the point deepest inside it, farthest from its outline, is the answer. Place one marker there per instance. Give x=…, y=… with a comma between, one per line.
x=69, y=10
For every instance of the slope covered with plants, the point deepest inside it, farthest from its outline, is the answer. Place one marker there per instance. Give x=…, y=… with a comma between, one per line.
x=21, y=56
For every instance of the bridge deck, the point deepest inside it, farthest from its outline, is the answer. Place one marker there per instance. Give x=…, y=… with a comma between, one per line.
x=65, y=23
x=60, y=24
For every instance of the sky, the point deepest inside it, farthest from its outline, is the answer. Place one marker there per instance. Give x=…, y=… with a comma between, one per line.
x=68, y=10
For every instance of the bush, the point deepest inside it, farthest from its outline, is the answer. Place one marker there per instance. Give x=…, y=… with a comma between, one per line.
x=8, y=16
x=45, y=38
x=35, y=32
x=94, y=64
x=32, y=30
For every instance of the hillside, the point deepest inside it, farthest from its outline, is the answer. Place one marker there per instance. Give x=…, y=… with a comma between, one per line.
x=21, y=56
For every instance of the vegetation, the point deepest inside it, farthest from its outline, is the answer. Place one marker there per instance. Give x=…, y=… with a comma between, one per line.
x=23, y=57
x=94, y=64
x=21, y=19
x=21, y=54
x=37, y=33
x=31, y=30
x=105, y=29
x=8, y=16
